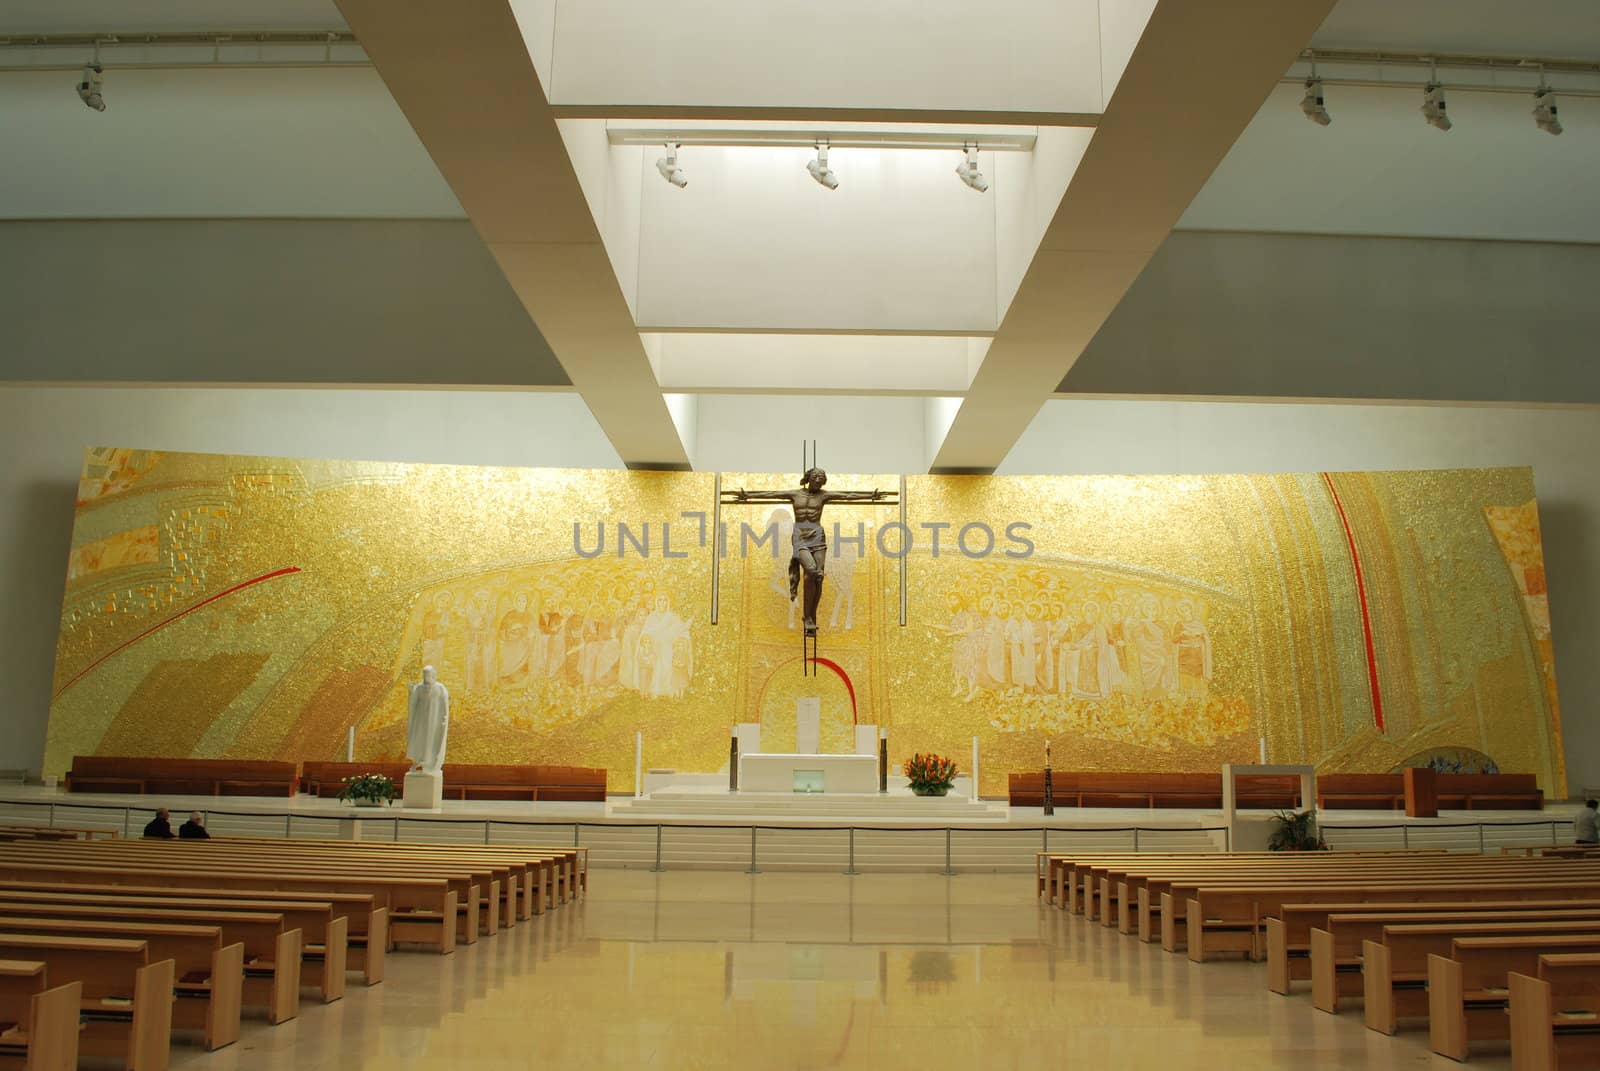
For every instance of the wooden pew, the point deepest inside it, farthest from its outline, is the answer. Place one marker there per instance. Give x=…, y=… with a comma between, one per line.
x=1394, y=963
x=262, y=927
x=1221, y=918
x=209, y=985
x=1468, y=991
x=1332, y=935
x=126, y=999
x=424, y=904
x=474, y=884
x=1555, y=1015
x=270, y=962
x=364, y=926
x=38, y=1024
x=182, y=776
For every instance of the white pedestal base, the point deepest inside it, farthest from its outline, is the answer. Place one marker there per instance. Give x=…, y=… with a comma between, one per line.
x=423, y=790
x=840, y=773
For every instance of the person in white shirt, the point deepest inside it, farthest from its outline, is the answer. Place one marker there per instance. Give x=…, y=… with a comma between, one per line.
x=1587, y=824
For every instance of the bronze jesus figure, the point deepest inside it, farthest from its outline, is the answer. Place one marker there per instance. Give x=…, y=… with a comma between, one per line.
x=809, y=541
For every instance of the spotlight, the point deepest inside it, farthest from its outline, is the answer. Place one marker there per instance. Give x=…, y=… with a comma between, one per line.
x=821, y=171
x=89, y=90
x=668, y=166
x=967, y=171
x=1544, y=110
x=1433, y=106
x=1311, y=104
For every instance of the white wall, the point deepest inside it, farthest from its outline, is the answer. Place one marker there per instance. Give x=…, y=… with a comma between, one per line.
x=763, y=432
x=753, y=243
x=43, y=432
x=1007, y=55
x=1379, y=169
x=1095, y=436
x=218, y=144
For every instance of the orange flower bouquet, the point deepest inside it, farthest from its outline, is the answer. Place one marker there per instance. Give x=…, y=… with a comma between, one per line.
x=930, y=774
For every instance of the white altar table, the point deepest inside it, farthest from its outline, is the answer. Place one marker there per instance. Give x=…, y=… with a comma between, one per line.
x=839, y=773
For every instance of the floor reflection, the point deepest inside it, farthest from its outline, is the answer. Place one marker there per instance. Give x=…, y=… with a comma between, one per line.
x=802, y=971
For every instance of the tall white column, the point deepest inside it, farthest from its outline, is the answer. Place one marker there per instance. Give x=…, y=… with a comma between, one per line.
x=638, y=765
x=350, y=745
x=974, y=768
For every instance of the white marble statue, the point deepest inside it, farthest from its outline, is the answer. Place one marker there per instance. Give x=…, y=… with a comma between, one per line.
x=429, y=724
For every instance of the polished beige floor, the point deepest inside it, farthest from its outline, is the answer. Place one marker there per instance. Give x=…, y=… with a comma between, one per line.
x=799, y=971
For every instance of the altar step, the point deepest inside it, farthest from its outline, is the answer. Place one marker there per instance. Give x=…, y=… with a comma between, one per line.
x=893, y=808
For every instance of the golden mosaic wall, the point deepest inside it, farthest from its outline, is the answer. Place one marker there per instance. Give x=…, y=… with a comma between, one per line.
x=261, y=607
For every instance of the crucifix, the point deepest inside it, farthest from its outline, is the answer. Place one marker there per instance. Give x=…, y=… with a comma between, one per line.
x=808, y=543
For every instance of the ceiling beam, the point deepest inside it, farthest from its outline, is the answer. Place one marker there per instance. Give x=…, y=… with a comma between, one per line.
x=1198, y=75
x=461, y=73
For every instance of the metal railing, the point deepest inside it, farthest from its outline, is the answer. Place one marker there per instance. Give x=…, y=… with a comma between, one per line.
x=949, y=849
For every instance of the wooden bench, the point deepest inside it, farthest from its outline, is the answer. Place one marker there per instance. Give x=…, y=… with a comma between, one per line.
x=1218, y=918
x=423, y=903
x=209, y=975
x=38, y=1023
x=326, y=779
x=267, y=866
x=1363, y=791
x=1289, y=949
x=1470, y=792
x=126, y=1000
x=1151, y=789
x=1555, y=1014
x=463, y=781
x=1468, y=991
x=320, y=917
x=182, y=777
x=266, y=935
x=1394, y=965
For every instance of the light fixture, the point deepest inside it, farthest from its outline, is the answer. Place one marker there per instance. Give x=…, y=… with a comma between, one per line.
x=1544, y=110
x=967, y=170
x=821, y=171
x=89, y=89
x=668, y=166
x=1311, y=104
x=1433, y=106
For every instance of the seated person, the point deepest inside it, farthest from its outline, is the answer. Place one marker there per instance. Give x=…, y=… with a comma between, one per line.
x=194, y=828
x=159, y=827
x=1587, y=824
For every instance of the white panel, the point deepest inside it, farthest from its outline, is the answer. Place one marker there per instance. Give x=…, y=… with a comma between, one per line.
x=538, y=21
x=1097, y=436
x=938, y=415
x=1379, y=169
x=1475, y=27
x=1121, y=24
x=762, y=433
x=897, y=364
x=609, y=177
x=214, y=143
x=1028, y=189
x=754, y=243
x=1023, y=55
x=43, y=432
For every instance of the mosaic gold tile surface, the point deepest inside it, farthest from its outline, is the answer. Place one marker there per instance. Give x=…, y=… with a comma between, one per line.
x=263, y=607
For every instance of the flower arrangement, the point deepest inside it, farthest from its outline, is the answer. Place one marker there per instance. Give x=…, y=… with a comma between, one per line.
x=371, y=789
x=930, y=774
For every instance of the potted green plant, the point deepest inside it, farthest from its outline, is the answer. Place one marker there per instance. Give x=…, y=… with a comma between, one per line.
x=930, y=774
x=369, y=789
x=1296, y=831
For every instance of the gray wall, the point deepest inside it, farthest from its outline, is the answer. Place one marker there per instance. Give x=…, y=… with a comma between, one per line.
x=262, y=301
x=1300, y=316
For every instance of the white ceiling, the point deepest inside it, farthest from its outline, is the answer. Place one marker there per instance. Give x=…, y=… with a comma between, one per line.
x=1549, y=28
x=89, y=16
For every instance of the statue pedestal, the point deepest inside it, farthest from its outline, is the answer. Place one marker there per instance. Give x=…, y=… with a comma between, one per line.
x=423, y=790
